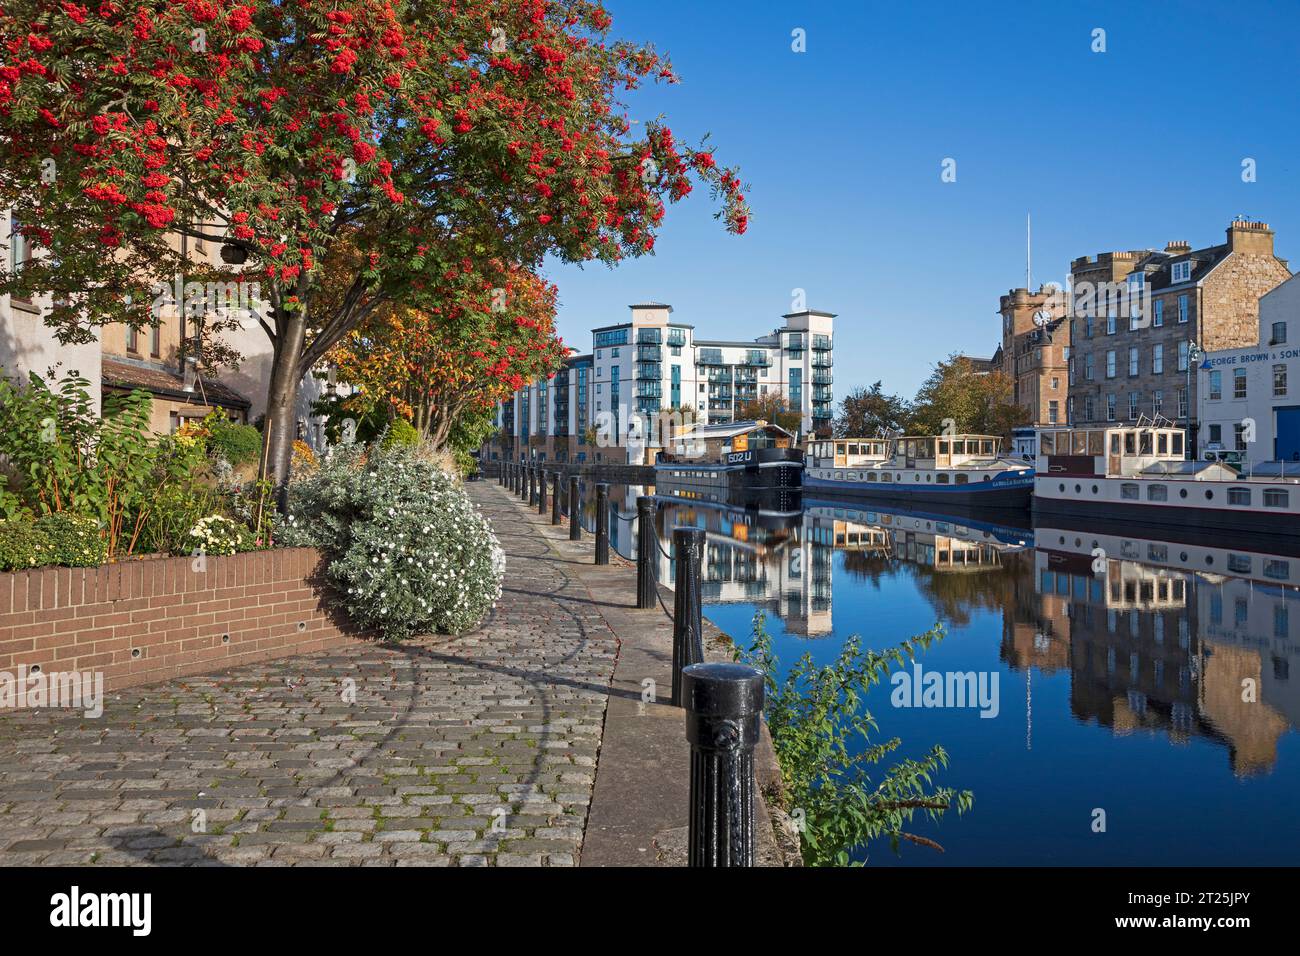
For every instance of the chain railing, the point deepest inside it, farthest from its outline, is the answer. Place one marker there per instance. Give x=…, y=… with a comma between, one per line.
x=723, y=702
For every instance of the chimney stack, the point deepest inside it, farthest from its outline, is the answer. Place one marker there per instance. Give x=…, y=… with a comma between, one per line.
x=1250, y=238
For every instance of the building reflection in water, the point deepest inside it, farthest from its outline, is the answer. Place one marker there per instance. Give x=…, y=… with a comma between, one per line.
x=1182, y=640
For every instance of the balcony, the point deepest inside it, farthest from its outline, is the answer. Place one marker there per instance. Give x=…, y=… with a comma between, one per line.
x=719, y=406
x=822, y=360
x=720, y=375
x=822, y=378
x=677, y=337
x=710, y=357
x=649, y=353
x=722, y=394
x=648, y=337
x=652, y=389
x=821, y=343
x=649, y=370
x=821, y=393
x=746, y=376
x=758, y=358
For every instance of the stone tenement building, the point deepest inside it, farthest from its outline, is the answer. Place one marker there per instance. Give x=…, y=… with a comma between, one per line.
x=1142, y=317
x=1036, y=352
x=652, y=364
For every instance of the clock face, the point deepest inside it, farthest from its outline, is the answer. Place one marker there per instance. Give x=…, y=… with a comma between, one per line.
x=1042, y=317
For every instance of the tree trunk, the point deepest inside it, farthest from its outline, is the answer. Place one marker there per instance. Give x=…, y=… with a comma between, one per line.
x=281, y=406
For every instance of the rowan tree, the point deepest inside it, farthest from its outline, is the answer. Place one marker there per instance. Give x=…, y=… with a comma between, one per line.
x=283, y=128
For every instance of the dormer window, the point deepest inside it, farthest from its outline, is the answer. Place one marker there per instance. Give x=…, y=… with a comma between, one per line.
x=1182, y=271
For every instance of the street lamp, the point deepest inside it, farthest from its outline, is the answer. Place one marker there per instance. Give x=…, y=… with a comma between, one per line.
x=1194, y=354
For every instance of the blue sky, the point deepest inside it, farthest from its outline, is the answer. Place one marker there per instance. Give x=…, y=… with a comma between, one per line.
x=842, y=147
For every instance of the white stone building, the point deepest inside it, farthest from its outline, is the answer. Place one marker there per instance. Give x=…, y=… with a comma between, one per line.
x=1250, y=397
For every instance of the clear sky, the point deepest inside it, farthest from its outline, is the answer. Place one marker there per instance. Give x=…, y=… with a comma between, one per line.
x=842, y=147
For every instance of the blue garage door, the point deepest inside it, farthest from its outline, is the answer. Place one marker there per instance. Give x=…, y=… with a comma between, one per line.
x=1287, y=445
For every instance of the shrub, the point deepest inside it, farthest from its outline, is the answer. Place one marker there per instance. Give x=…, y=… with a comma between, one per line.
x=217, y=534
x=406, y=550
x=237, y=444
x=23, y=545
x=400, y=433
x=75, y=540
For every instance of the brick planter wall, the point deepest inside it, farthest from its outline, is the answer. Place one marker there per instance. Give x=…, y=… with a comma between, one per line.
x=154, y=619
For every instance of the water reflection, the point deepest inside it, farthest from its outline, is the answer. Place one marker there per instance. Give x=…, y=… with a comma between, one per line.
x=1146, y=675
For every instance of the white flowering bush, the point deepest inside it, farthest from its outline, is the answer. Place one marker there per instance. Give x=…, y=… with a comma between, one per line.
x=217, y=534
x=406, y=550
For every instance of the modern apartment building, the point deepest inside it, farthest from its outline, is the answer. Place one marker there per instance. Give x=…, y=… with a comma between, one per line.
x=1249, y=398
x=653, y=364
x=1143, y=319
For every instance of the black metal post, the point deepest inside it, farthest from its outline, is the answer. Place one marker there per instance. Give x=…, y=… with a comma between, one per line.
x=602, y=523
x=688, y=634
x=532, y=485
x=575, y=512
x=541, y=491
x=645, y=551
x=724, y=707
x=522, y=489
x=556, y=516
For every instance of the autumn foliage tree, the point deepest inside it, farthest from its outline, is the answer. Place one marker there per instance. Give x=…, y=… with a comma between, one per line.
x=482, y=337
x=960, y=396
x=413, y=129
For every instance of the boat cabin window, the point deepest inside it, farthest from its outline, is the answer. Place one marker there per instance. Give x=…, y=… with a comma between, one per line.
x=1239, y=496
x=1162, y=443
x=943, y=446
x=886, y=476
x=1130, y=491
x=839, y=448
x=1275, y=498
x=941, y=478
x=1177, y=444
x=1144, y=443
x=986, y=447
x=960, y=480
x=1158, y=493
x=1114, y=443
x=1130, y=443
x=871, y=476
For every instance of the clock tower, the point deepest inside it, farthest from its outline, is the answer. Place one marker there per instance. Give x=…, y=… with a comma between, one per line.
x=1036, y=352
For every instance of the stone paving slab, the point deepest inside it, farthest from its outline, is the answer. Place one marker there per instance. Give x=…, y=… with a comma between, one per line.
x=478, y=750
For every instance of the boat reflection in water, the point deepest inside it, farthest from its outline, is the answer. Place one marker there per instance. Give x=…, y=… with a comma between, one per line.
x=1147, y=676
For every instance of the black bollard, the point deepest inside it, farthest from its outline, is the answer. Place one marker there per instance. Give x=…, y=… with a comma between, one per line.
x=522, y=489
x=541, y=491
x=532, y=485
x=602, y=523
x=575, y=512
x=645, y=552
x=724, y=707
x=688, y=634
x=556, y=516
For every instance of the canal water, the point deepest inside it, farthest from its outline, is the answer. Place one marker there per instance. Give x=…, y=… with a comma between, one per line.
x=1146, y=679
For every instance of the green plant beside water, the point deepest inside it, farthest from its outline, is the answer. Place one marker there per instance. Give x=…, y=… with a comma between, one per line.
x=835, y=788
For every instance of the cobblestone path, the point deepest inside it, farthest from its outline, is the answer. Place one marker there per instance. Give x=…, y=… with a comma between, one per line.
x=469, y=751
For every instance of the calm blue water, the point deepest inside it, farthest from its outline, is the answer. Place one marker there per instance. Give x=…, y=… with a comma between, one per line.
x=1120, y=678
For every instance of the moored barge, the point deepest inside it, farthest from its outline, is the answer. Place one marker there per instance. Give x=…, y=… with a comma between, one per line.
x=1139, y=473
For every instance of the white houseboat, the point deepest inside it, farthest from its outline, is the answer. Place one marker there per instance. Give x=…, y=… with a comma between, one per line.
x=965, y=470
x=1139, y=474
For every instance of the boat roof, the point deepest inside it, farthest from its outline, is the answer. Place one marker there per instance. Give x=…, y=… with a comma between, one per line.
x=732, y=429
x=1180, y=468
x=1276, y=469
